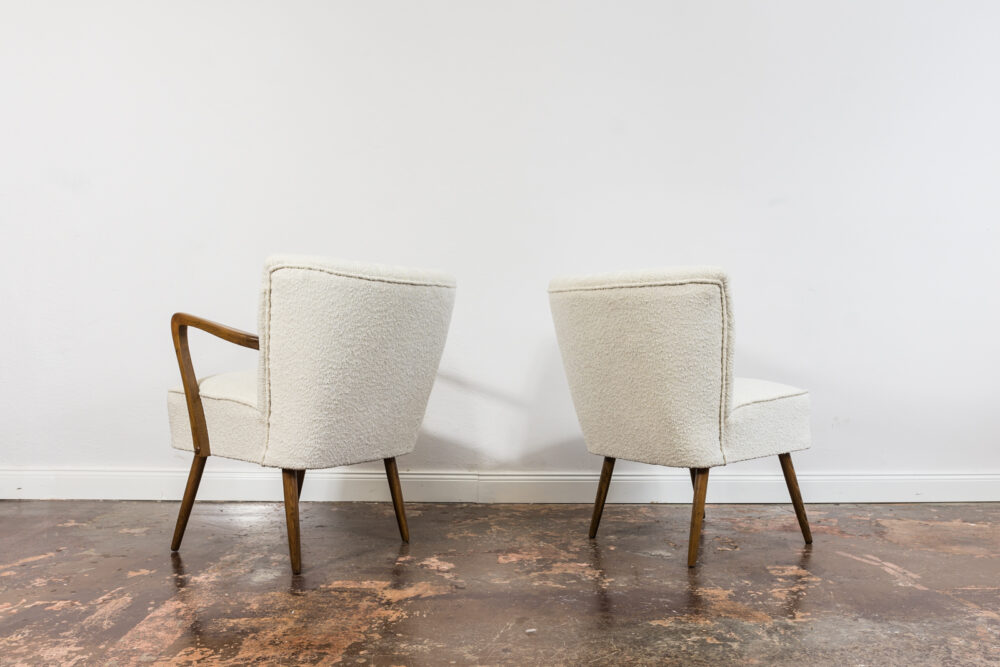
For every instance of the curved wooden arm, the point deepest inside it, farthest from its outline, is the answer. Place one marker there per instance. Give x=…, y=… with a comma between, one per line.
x=182, y=320
x=179, y=324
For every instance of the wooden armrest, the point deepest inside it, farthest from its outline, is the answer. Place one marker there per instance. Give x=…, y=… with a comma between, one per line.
x=178, y=329
x=219, y=330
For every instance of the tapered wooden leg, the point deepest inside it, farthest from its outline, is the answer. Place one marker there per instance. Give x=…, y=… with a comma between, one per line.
x=300, y=478
x=396, y=491
x=693, y=476
x=190, y=491
x=793, y=491
x=602, y=494
x=697, y=513
x=290, y=484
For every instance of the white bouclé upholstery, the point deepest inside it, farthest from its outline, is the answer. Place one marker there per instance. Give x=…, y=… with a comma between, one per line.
x=348, y=355
x=235, y=425
x=649, y=359
x=766, y=417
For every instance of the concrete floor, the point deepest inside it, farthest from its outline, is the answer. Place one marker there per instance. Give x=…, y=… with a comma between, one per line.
x=94, y=583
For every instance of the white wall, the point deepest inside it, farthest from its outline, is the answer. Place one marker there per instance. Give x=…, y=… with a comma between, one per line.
x=840, y=159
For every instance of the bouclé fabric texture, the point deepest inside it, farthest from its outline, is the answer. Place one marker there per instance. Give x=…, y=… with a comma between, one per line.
x=348, y=356
x=235, y=425
x=649, y=359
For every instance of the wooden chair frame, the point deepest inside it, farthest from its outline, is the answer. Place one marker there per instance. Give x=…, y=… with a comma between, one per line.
x=292, y=480
x=699, y=481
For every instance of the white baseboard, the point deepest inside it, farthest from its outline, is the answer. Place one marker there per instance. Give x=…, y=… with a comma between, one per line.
x=497, y=487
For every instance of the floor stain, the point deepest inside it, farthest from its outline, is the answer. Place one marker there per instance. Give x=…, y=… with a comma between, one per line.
x=958, y=537
x=498, y=584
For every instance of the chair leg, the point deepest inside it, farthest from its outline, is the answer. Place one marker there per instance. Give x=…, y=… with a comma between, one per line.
x=602, y=494
x=793, y=491
x=290, y=484
x=190, y=491
x=300, y=478
x=396, y=491
x=693, y=476
x=697, y=513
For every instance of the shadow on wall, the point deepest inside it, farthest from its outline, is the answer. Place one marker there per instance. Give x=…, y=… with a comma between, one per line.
x=481, y=389
x=551, y=437
x=494, y=431
x=473, y=427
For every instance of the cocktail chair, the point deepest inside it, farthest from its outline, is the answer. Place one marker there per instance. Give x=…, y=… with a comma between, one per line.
x=649, y=359
x=348, y=355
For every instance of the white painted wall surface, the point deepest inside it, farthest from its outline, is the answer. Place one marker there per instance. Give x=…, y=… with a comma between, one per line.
x=841, y=160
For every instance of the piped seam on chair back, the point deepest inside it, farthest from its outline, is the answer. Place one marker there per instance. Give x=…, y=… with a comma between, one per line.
x=267, y=368
x=359, y=276
x=724, y=299
x=723, y=407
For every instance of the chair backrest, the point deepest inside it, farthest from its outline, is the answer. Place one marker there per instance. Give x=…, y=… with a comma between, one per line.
x=648, y=356
x=348, y=356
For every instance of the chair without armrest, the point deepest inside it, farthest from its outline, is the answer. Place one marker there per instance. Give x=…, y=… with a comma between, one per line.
x=649, y=360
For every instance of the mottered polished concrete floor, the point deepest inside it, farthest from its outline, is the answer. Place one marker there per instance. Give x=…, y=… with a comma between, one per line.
x=94, y=583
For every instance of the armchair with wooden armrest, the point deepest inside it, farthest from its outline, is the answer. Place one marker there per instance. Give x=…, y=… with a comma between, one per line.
x=382, y=328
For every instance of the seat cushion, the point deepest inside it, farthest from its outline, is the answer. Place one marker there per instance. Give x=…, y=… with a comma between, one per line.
x=235, y=425
x=766, y=419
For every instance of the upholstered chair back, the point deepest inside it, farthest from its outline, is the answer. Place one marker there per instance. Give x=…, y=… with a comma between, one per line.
x=648, y=356
x=348, y=356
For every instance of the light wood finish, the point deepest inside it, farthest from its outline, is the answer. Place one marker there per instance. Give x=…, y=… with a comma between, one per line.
x=697, y=513
x=602, y=494
x=793, y=490
x=190, y=491
x=289, y=482
x=396, y=491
